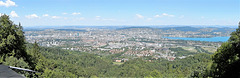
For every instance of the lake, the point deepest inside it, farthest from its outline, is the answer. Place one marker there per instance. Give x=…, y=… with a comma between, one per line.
x=212, y=39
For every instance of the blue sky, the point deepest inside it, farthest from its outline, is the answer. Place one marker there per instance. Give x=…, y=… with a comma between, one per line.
x=122, y=12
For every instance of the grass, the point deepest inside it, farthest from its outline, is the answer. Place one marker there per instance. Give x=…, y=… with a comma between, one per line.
x=210, y=49
x=118, y=63
x=191, y=49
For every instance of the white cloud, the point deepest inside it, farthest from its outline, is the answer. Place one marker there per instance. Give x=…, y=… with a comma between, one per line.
x=64, y=13
x=14, y=14
x=139, y=16
x=7, y=3
x=157, y=16
x=55, y=17
x=1, y=14
x=45, y=15
x=76, y=13
x=31, y=16
x=165, y=14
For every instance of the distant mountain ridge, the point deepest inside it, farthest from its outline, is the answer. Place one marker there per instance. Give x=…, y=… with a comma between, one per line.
x=133, y=28
x=187, y=28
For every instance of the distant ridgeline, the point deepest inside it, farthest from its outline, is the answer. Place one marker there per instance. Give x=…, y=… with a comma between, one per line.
x=189, y=28
x=182, y=28
x=124, y=28
x=71, y=30
x=34, y=29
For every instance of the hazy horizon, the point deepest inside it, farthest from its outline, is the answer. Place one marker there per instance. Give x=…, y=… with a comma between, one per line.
x=159, y=26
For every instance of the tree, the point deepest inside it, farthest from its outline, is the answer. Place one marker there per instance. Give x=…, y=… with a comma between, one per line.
x=38, y=61
x=155, y=73
x=11, y=39
x=35, y=54
x=226, y=60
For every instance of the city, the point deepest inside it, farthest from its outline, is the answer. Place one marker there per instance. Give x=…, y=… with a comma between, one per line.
x=130, y=42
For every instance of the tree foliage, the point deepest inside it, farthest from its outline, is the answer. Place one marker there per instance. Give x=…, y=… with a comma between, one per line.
x=226, y=60
x=11, y=38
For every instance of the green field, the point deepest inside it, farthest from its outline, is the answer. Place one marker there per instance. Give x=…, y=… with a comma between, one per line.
x=117, y=63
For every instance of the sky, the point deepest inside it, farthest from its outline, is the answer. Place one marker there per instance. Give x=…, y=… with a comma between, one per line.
x=122, y=12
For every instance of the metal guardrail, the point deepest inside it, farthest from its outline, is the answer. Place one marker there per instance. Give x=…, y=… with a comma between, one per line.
x=23, y=69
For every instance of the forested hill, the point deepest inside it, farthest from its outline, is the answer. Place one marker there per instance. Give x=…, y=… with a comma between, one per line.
x=53, y=62
x=65, y=63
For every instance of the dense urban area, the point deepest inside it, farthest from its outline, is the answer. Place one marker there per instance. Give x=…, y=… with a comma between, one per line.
x=130, y=42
